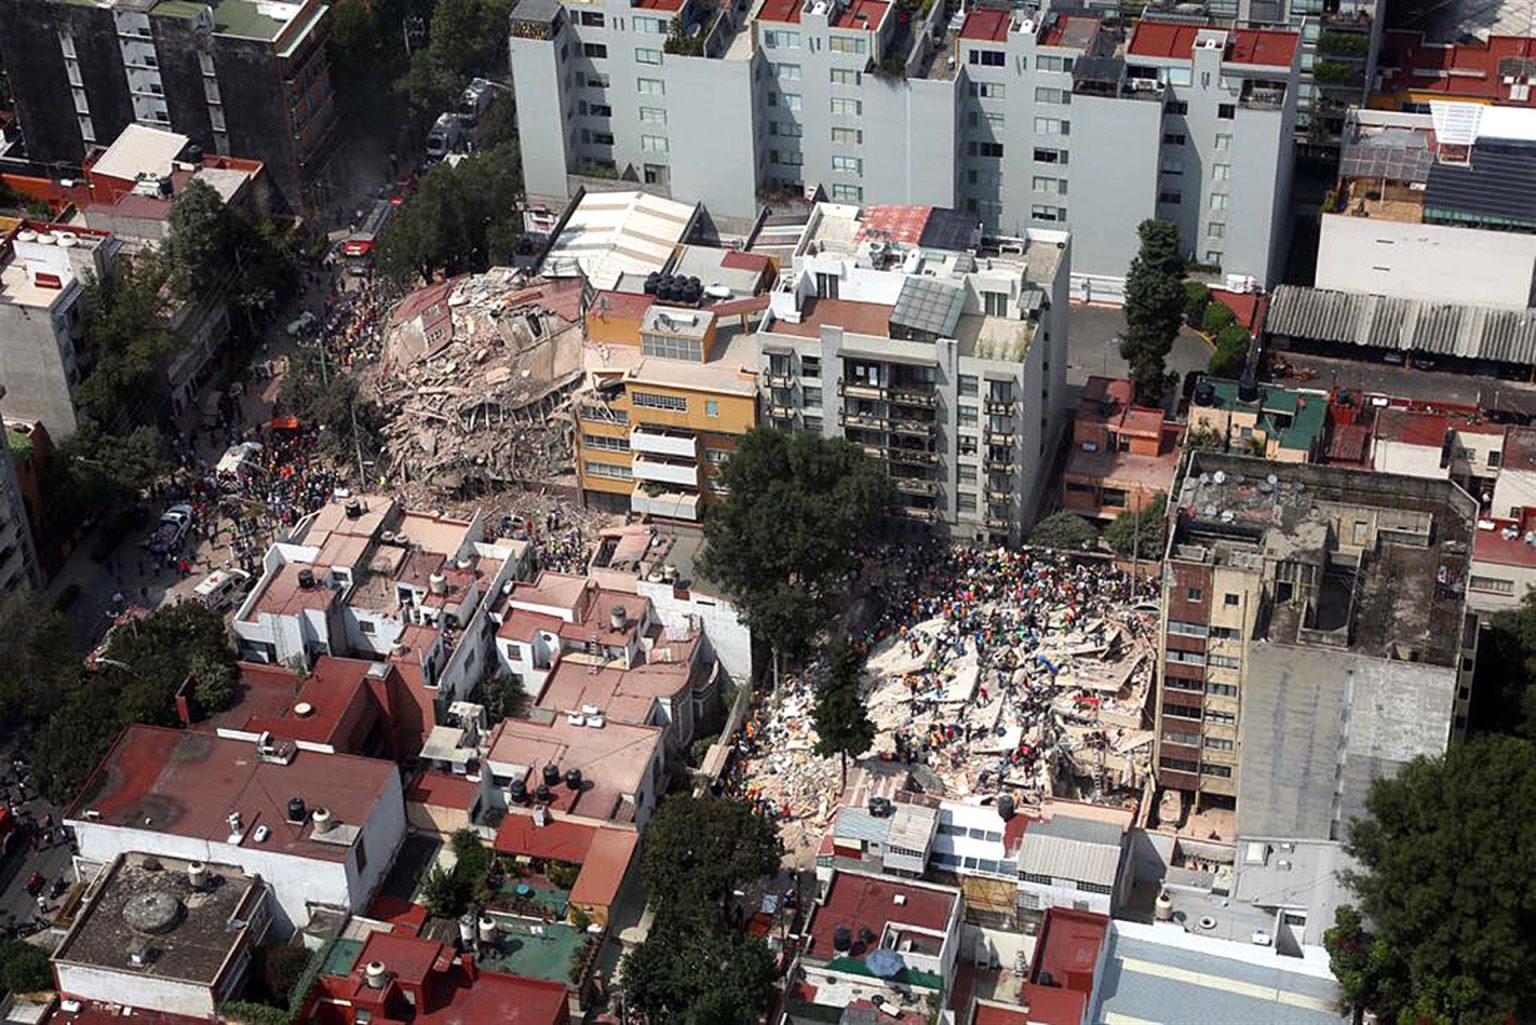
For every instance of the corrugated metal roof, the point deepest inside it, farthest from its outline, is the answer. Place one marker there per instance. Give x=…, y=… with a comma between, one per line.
x=859, y=824
x=1064, y=858
x=1447, y=329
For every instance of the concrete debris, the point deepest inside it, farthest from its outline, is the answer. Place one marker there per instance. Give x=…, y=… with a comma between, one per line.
x=475, y=378
x=988, y=672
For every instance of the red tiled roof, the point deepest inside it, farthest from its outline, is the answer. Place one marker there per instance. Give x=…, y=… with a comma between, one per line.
x=607, y=863
x=785, y=11
x=858, y=902
x=410, y=959
x=91, y=1013
x=855, y=317
x=985, y=25
x=996, y=1014
x=1162, y=39
x=736, y=260
x=521, y=624
x=1469, y=69
x=620, y=305
x=1409, y=428
x=442, y=790
x=557, y=840
x=861, y=14
x=1348, y=443
x=1061, y=975
x=894, y=222
x=1492, y=546
x=1071, y=30
x=404, y=917
x=1249, y=308
x=660, y=5
x=1269, y=47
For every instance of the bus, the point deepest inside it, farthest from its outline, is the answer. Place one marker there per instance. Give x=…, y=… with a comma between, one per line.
x=357, y=252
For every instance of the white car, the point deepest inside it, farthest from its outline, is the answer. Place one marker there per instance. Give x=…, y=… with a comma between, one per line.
x=303, y=323
x=172, y=529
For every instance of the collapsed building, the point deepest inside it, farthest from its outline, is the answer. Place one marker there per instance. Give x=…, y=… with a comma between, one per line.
x=474, y=376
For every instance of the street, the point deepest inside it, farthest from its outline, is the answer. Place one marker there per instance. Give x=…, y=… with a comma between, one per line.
x=1093, y=348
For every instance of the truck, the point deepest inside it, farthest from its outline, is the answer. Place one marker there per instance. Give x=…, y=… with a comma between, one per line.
x=475, y=100
x=357, y=250
x=447, y=136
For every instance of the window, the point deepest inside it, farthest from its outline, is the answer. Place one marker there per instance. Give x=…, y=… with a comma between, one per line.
x=595, y=80
x=711, y=407
x=1226, y=111
x=1051, y=156
x=604, y=443
x=367, y=626
x=967, y=415
x=987, y=58
x=1220, y=718
x=653, y=143
x=1193, y=594
x=1172, y=163
x=1189, y=658
x=648, y=400
x=848, y=136
x=1221, y=172
x=594, y=50
x=651, y=87
x=965, y=503
x=1052, y=126
x=655, y=26
x=840, y=105
x=847, y=193
x=597, y=138
x=1183, y=629
x=667, y=347
x=645, y=55
x=987, y=90
x=781, y=39
x=1220, y=201
x=1493, y=585
x=1174, y=736
x=1053, y=63
x=1219, y=744
x=787, y=72
x=592, y=19
x=986, y=149
x=966, y=474
x=1103, y=888
x=810, y=366
x=1223, y=142
x=810, y=396
x=1209, y=769
x=1178, y=764
x=1044, y=184
x=847, y=165
x=791, y=101
x=1170, y=198
x=1221, y=690
x=87, y=129
x=611, y=471
x=1051, y=214
x=1216, y=230
x=1226, y=633
x=653, y=116
x=1224, y=662
x=1045, y=95
x=843, y=76
x=1174, y=139
x=967, y=444
x=716, y=456
x=847, y=44
x=1175, y=107
x=1178, y=683
x=785, y=129
x=1182, y=711
x=995, y=304
x=789, y=158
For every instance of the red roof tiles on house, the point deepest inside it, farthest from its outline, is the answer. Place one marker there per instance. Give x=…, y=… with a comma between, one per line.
x=557, y=839
x=867, y=14
x=859, y=902
x=985, y=25
x=1267, y=47
x=1408, y=428
x=782, y=11
x=1468, y=70
x=1162, y=39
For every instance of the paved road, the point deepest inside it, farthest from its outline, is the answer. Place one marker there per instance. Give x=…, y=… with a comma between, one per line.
x=1485, y=392
x=1093, y=347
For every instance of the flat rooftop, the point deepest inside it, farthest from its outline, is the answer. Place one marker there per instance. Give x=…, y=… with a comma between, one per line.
x=857, y=902
x=184, y=783
x=1390, y=553
x=613, y=758
x=18, y=289
x=149, y=904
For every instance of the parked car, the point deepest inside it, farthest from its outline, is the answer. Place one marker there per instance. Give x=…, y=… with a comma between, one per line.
x=174, y=524
x=301, y=324
x=221, y=587
x=447, y=136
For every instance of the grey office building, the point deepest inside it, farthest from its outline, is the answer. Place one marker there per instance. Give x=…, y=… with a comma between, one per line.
x=1019, y=121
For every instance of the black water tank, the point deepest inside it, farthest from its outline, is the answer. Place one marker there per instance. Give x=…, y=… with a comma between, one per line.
x=650, y=282
x=354, y=509
x=296, y=810
x=842, y=939
x=306, y=579
x=573, y=778
x=551, y=775
x=1205, y=392
x=1248, y=387
x=1005, y=806
x=543, y=795
x=519, y=792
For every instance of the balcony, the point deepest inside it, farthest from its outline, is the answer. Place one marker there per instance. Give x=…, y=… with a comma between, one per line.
x=774, y=380
x=664, y=443
x=911, y=455
x=1003, y=437
x=915, y=486
x=909, y=395
x=998, y=523
x=673, y=505
x=857, y=390
x=865, y=420
x=998, y=407
x=920, y=513
x=874, y=452
x=914, y=428
x=667, y=473
x=992, y=465
x=1003, y=495
x=780, y=412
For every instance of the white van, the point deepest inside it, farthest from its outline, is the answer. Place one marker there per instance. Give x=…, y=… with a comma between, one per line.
x=221, y=587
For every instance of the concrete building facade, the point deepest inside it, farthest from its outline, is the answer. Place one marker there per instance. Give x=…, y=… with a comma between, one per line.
x=81, y=73
x=1003, y=116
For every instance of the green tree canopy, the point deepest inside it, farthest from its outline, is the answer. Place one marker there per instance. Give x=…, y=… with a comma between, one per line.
x=797, y=509
x=695, y=850
x=1145, y=532
x=466, y=38
x=1444, y=879
x=24, y=967
x=1231, y=353
x=461, y=218
x=316, y=392
x=1154, y=307
x=199, y=243
x=1064, y=530
x=843, y=726
x=1197, y=297
x=129, y=339
x=1505, y=698
x=692, y=970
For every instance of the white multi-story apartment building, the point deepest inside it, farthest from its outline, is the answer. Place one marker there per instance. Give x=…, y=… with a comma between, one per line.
x=897, y=331
x=1019, y=120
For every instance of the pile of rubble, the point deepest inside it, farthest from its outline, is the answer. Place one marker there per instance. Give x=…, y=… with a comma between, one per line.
x=1028, y=673
x=474, y=380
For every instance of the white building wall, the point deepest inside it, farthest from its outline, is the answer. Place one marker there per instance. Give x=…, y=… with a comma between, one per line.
x=728, y=635
x=1433, y=262
x=169, y=996
x=1493, y=586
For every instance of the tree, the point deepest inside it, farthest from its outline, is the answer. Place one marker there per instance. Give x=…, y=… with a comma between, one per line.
x=498, y=125
x=217, y=685
x=467, y=37
x=1143, y=533
x=24, y=968
x=38, y=652
x=1154, y=307
x=1217, y=317
x=461, y=218
x=1506, y=668
x=843, y=727
x=1443, y=876
x=696, y=850
x=1197, y=297
x=1364, y=965
x=199, y=244
x=798, y=508
x=1066, y=531
x=692, y=970
x=316, y=393
x=1231, y=353
x=126, y=329
x=280, y=967
x=442, y=893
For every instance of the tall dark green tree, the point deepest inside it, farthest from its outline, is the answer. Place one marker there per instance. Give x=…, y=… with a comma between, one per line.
x=199, y=242
x=693, y=970
x=1444, y=880
x=843, y=726
x=1142, y=534
x=127, y=333
x=695, y=850
x=460, y=219
x=1154, y=307
x=1504, y=692
x=797, y=510
x=1065, y=530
